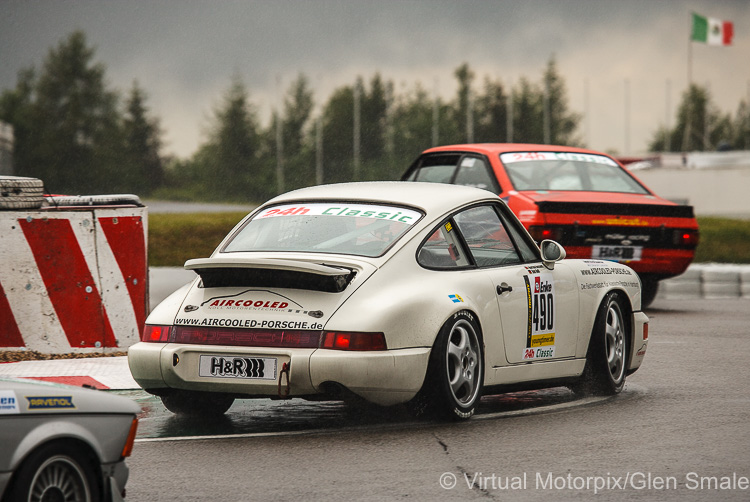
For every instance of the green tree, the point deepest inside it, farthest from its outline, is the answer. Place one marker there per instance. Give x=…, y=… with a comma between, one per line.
x=338, y=144
x=142, y=169
x=491, y=114
x=298, y=149
x=527, y=113
x=67, y=121
x=562, y=122
x=700, y=126
x=229, y=159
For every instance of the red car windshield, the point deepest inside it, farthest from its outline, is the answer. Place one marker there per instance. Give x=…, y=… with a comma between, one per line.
x=568, y=172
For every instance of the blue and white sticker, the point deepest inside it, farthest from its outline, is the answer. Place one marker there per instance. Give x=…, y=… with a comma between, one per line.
x=8, y=403
x=456, y=298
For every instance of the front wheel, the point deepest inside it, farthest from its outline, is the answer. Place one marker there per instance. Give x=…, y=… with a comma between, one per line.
x=197, y=404
x=455, y=373
x=56, y=471
x=606, y=360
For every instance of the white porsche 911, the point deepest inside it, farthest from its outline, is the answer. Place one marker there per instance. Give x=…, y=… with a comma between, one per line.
x=390, y=292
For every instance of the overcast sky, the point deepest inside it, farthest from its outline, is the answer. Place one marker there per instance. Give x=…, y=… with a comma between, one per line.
x=184, y=53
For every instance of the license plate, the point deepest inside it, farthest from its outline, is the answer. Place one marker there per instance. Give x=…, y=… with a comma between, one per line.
x=243, y=367
x=617, y=253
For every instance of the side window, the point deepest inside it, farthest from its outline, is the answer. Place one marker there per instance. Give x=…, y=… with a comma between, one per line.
x=485, y=234
x=443, y=249
x=436, y=168
x=474, y=172
x=524, y=245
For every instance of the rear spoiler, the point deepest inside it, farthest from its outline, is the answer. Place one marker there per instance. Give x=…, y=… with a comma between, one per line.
x=226, y=272
x=662, y=210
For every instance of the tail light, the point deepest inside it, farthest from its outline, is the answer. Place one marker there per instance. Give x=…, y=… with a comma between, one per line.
x=155, y=333
x=247, y=337
x=345, y=340
x=686, y=238
x=128, y=448
x=541, y=233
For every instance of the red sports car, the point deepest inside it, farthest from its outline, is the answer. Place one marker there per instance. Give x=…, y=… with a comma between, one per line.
x=583, y=199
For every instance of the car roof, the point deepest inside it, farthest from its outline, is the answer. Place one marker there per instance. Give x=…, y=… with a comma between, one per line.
x=496, y=148
x=432, y=198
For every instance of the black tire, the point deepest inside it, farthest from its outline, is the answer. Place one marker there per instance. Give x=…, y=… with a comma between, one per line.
x=455, y=373
x=56, y=471
x=606, y=360
x=649, y=289
x=197, y=404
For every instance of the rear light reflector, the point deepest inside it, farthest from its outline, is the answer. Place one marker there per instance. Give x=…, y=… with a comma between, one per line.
x=345, y=340
x=157, y=334
x=246, y=337
x=645, y=332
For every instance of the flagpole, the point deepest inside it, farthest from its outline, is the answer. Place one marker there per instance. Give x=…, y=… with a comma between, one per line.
x=690, y=52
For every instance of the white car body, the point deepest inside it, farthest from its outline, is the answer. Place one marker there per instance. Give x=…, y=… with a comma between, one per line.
x=44, y=424
x=396, y=293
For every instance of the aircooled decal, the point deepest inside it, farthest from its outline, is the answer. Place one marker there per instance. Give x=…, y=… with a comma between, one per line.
x=259, y=300
x=370, y=211
x=8, y=402
x=540, y=332
x=50, y=402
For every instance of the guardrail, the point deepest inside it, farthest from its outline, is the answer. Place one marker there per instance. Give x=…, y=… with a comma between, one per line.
x=708, y=280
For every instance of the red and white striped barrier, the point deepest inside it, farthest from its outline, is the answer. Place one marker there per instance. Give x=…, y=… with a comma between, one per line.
x=73, y=279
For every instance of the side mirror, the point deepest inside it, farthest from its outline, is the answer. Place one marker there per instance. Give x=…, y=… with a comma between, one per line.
x=551, y=252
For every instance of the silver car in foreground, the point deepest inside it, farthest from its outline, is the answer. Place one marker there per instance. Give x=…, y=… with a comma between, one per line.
x=62, y=443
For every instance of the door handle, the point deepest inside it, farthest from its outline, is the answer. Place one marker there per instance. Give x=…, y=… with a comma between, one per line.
x=504, y=288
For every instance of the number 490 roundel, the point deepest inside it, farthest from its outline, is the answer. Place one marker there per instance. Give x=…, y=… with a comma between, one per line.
x=421, y=294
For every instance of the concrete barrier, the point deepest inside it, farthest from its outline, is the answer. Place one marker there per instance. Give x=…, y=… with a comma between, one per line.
x=708, y=280
x=73, y=279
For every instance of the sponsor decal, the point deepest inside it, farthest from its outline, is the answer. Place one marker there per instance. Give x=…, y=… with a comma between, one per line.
x=625, y=222
x=448, y=227
x=238, y=301
x=8, y=402
x=606, y=271
x=564, y=156
x=540, y=333
x=534, y=270
x=642, y=351
x=50, y=402
x=609, y=284
x=539, y=353
x=369, y=211
x=252, y=368
x=249, y=323
x=456, y=298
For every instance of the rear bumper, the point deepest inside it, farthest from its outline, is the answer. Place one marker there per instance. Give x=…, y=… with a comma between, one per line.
x=640, y=340
x=382, y=377
x=656, y=261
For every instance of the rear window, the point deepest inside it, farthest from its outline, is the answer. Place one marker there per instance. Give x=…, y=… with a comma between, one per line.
x=568, y=172
x=335, y=227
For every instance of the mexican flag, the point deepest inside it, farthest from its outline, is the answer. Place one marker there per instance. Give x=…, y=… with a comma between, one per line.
x=712, y=31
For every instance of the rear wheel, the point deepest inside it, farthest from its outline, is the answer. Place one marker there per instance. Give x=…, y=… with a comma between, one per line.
x=197, y=403
x=607, y=356
x=455, y=373
x=649, y=288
